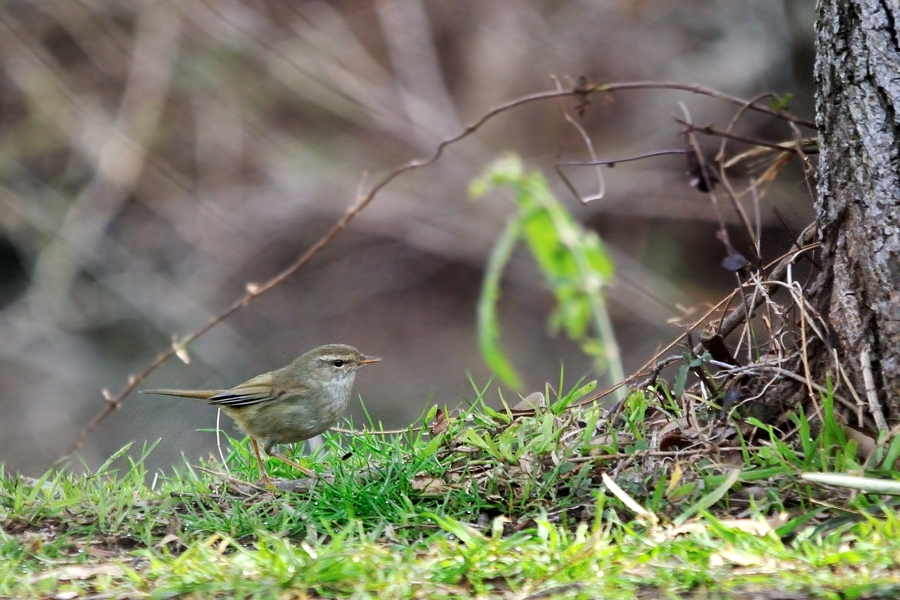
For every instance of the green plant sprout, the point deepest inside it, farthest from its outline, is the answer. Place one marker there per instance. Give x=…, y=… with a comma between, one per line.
x=572, y=259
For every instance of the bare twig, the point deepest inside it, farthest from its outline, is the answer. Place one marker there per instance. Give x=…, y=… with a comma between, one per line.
x=703, y=91
x=757, y=368
x=706, y=182
x=712, y=131
x=612, y=162
x=601, y=185
x=254, y=291
x=871, y=393
x=728, y=324
x=376, y=431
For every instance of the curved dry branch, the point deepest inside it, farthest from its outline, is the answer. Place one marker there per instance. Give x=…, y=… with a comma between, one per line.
x=254, y=291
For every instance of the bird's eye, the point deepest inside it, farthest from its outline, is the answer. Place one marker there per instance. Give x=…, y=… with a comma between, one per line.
x=338, y=363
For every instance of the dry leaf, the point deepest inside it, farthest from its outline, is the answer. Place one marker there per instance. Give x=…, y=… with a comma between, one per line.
x=865, y=442
x=440, y=423
x=168, y=539
x=70, y=572
x=757, y=527
x=533, y=401
x=734, y=557
x=429, y=486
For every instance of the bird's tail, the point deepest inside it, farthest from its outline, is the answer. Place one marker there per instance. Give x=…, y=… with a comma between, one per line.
x=199, y=394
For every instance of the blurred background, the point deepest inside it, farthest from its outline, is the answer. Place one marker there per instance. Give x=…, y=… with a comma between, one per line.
x=157, y=157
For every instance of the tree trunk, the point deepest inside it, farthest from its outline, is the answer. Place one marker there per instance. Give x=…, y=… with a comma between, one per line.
x=858, y=293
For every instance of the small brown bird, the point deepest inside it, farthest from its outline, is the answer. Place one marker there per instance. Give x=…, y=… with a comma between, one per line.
x=291, y=404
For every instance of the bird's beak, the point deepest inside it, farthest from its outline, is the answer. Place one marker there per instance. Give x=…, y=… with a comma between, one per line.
x=365, y=360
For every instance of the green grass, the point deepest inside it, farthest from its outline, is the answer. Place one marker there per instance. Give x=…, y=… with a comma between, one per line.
x=495, y=505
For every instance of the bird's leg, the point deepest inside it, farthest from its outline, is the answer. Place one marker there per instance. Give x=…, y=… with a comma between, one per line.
x=270, y=450
x=262, y=469
x=288, y=461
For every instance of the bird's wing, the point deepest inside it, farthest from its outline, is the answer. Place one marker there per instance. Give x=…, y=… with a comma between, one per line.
x=253, y=391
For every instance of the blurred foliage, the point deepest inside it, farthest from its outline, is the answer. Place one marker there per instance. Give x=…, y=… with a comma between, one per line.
x=572, y=259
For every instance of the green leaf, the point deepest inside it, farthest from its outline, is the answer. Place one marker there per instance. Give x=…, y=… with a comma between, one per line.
x=488, y=326
x=709, y=499
x=781, y=103
x=680, y=381
x=572, y=260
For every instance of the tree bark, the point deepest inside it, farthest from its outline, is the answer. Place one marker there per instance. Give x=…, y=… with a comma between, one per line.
x=858, y=204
